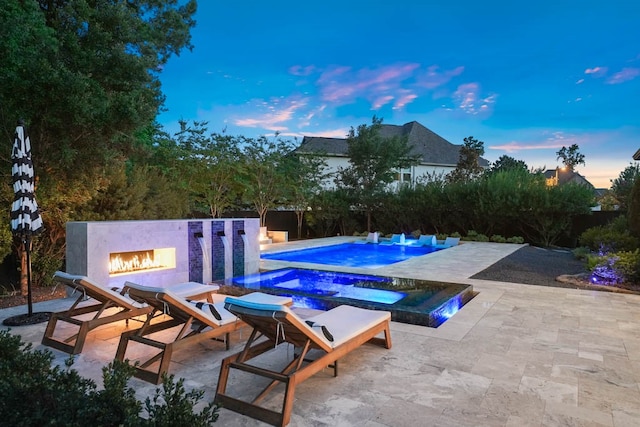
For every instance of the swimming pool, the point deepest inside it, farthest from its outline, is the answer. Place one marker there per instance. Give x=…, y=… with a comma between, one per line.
x=417, y=302
x=353, y=255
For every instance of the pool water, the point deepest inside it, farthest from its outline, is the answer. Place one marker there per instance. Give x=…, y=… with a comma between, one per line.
x=353, y=255
x=412, y=301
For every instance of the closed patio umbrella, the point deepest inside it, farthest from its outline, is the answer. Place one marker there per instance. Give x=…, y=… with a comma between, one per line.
x=25, y=216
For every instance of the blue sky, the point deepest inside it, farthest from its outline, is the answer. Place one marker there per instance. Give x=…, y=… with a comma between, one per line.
x=524, y=78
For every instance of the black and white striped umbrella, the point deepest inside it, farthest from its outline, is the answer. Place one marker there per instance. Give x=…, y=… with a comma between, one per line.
x=25, y=216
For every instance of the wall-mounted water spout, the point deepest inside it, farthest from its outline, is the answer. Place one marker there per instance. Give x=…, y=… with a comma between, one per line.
x=243, y=235
x=206, y=260
x=225, y=240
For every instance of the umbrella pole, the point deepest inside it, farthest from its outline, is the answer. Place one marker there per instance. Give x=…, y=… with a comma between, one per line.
x=27, y=248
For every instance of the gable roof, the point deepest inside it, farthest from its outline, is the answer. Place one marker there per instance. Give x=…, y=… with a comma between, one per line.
x=636, y=155
x=567, y=176
x=431, y=147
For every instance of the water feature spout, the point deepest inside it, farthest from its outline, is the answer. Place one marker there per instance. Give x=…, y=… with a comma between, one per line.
x=206, y=260
x=244, y=237
x=225, y=241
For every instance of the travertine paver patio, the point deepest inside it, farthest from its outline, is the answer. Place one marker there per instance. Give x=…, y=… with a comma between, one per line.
x=516, y=355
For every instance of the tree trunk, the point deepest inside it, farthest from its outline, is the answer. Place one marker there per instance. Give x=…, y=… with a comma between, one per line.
x=300, y=216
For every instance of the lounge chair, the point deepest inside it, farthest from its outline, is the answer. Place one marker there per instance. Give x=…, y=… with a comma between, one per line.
x=451, y=241
x=108, y=300
x=333, y=333
x=371, y=238
x=396, y=239
x=197, y=321
x=427, y=240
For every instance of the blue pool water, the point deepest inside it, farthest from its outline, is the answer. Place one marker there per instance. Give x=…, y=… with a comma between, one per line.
x=412, y=301
x=353, y=255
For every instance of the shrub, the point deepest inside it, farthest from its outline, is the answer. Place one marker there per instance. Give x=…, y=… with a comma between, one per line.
x=608, y=238
x=474, y=236
x=498, y=238
x=416, y=233
x=471, y=236
x=581, y=253
x=628, y=265
x=482, y=238
x=516, y=239
x=36, y=394
x=616, y=267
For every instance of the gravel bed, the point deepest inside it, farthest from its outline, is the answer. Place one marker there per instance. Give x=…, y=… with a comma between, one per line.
x=535, y=266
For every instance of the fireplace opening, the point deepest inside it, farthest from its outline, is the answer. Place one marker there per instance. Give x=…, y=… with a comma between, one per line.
x=141, y=261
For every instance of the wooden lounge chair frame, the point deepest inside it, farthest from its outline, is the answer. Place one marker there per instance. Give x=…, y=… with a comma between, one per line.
x=195, y=326
x=106, y=299
x=279, y=324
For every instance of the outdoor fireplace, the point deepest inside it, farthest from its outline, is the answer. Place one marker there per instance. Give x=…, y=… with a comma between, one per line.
x=162, y=253
x=141, y=261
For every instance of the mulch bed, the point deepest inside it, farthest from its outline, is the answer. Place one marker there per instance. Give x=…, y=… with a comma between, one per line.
x=38, y=294
x=556, y=267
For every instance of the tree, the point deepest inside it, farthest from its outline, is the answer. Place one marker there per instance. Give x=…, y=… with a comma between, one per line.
x=505, y=162
x=571, y=157
x=264, y=173
x=85, y=77
x=373, y=163
x=468, y=166
x=211, y=165
x=305, y=176
x=621, y=186
x=634, y=209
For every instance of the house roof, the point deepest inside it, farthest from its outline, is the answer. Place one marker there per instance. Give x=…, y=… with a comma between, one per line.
x=636, y=155
x=566, y=176
x=431, y=147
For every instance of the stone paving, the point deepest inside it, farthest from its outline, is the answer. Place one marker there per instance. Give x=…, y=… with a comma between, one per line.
x=516, y=355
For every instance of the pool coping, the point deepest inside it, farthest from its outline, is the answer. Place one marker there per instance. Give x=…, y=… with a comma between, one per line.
x=453, y=265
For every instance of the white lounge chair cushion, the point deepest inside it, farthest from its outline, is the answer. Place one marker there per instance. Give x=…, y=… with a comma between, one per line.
x=346, y=322
x=92, y=289
x=189, y=289
x=185, y=305
x=342, y=323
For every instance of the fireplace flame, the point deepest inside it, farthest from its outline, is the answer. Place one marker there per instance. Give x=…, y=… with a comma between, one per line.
x=136, y=261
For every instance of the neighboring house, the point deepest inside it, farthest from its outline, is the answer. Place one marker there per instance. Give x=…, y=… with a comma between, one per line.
x=636, y=156
x=561, y=176
x=437, y=155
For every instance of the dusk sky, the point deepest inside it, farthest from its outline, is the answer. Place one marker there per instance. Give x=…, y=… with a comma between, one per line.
x=526, y=78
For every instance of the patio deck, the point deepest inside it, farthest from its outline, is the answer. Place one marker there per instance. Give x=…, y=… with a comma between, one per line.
x=516, y=355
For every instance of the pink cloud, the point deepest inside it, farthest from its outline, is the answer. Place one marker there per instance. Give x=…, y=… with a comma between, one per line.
x=433, y=78
x=343, y=85
x=624, y=75
x=381, y=101
x=469, y=101
x=404, y=100
x=279, y=112
x=299, y=70
x=554, y=141
x=598, y=71
x=512, y=147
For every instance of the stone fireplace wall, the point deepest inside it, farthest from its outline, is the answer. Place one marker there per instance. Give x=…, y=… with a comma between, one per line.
x=206, y=250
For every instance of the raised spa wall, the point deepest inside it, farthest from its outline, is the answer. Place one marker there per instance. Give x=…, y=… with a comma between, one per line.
x=205, y=250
